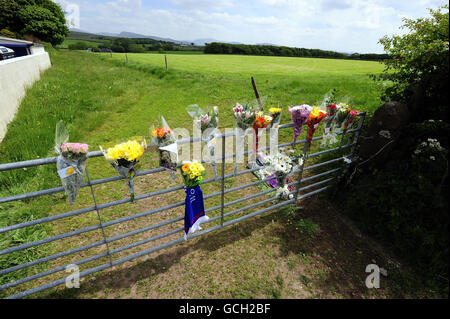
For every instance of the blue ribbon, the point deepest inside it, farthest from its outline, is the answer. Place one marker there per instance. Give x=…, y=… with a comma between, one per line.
x=194, y=207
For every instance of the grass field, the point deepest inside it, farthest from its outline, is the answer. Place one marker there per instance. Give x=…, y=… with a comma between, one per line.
x=243, y=66
x=287, y=254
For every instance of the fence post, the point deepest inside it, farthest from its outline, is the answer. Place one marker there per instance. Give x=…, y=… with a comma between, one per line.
x=222, y=205
x=357, y=134
x=165, y=58
x=261, y=108
x=346, y=166
x=126, y=56
x=98, y=215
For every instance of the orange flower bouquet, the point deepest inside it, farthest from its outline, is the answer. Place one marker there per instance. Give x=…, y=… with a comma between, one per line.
x=314, y=119
x=164, y=138
x=261, y=122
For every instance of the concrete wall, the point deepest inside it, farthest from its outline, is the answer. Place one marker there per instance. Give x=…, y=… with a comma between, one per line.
x=15, y=76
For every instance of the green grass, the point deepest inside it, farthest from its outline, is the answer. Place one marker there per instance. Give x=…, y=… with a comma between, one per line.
x=313, y=70
x=104, y=100
x=284, y=80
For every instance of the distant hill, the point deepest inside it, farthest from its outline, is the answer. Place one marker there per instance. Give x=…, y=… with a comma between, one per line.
x=78, y=33
x=132, y=35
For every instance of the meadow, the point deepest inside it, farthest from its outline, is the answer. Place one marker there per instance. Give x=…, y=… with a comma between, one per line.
x=104, y=99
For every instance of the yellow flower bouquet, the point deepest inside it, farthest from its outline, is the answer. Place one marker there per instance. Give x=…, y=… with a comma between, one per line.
x=125, y=158
x=193, y=173
x=275, y=113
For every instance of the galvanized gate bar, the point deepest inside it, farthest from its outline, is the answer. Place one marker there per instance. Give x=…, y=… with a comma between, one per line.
x=165, y=245
x=173, y=221
x=222, y=223
x=110, y=204
x=98, y=243
x=91, y=228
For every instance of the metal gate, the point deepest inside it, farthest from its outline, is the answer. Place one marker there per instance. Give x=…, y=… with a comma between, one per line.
x=324, y=182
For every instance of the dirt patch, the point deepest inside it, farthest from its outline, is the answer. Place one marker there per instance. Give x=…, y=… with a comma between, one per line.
x=268, y=256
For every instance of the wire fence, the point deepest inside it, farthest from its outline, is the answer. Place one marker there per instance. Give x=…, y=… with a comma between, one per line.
x=113, y=255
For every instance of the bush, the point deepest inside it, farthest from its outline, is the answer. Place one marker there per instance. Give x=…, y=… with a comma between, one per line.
x=419, y=65
x=403, y=202
x=406, y=205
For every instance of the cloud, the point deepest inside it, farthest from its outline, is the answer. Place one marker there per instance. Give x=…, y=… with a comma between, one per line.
x=206, y=5
x=340, y=25
x=336, y=5
x=128, y=6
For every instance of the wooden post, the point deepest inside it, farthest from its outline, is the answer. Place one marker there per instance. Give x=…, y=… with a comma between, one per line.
x=165, y=57
x=110, y=53
x=126, y=56
x=257, y=94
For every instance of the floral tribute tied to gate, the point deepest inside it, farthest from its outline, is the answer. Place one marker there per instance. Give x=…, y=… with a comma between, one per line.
x=208, y=123
x=244, y=119
x=194, y=212
x=71, y=162
x=315, y=117
x=332, y=111
x=299, y=115
x=125, y=158
x=350, y=120
x=164, y=138
x=261, y=122
x=341, y=115
x=279, y=165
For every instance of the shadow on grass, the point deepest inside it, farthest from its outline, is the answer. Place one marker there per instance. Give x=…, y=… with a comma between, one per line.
x=333, y=257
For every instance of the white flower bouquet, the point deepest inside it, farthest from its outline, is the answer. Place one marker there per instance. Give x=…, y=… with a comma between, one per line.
x=281, y=166
x=208, y=123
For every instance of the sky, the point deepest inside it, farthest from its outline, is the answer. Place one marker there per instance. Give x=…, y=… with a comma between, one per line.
x=337, y=25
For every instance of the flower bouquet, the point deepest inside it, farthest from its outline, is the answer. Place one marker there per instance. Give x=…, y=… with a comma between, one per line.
x=314, y=119
x=261, y=122
x=331, y=111
x=245, y=117
x=208, y=123
x=281, y=166
x=299, y=115
x=194, y=212
x=165, y=141
x=338, y=120
x=350, y=120
x=71, y=162
x=125, y=158
x=275, y=113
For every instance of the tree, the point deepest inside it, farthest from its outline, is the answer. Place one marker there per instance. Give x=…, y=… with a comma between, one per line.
x=41, y=19
x=419, y=65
